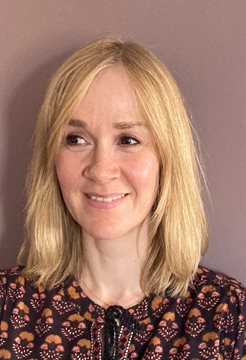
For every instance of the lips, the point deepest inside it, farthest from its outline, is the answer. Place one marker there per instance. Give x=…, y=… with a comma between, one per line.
x=105, y=198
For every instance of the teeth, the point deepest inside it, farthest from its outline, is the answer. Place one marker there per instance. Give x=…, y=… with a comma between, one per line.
x=106, y=199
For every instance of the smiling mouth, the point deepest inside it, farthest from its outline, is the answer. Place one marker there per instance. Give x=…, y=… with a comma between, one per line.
x=106, y=199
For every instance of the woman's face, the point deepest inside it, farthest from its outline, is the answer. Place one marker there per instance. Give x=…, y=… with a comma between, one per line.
x=108, y=166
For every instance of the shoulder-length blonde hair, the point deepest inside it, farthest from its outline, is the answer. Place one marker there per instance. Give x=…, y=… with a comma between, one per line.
x=52, y=249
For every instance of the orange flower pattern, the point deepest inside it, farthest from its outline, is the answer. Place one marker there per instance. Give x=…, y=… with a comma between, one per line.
x=208, y=323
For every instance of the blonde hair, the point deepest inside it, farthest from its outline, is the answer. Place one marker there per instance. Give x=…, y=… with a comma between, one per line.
x=52, y=249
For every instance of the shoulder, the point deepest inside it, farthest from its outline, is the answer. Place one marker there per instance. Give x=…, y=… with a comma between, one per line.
x=11, y=276
x=217, y=313
x=19, y=294
x=11, y=285
x=14, y=286
x=11, y=280
x=219, y=294
x=209, y=281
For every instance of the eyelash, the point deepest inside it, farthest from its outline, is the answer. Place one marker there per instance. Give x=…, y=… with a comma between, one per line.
x=136, y=141
x=72, y=137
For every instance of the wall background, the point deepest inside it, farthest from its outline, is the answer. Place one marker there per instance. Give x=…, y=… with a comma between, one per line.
x=204, y=45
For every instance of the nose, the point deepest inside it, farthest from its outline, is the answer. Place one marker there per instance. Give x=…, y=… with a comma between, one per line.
x=102, y=167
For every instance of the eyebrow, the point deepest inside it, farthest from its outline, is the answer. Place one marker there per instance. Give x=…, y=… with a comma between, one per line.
x=117, y=125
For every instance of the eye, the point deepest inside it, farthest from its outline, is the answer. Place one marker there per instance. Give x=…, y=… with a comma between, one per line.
x=74, y=140
x=129, y=140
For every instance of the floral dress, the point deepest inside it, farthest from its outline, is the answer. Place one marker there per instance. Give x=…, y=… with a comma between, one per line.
x=63, y=323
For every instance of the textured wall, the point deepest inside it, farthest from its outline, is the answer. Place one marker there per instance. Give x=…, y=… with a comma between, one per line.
x=204, y=45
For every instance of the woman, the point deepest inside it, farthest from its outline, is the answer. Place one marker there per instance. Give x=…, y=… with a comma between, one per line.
x=115, y=224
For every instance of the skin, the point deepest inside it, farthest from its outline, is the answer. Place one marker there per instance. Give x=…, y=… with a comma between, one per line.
x=109, y=152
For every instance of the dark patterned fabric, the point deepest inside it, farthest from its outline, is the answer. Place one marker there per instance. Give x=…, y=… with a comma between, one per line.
x=207, y=323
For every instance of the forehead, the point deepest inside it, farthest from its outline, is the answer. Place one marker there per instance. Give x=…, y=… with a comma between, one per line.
x=110, y=94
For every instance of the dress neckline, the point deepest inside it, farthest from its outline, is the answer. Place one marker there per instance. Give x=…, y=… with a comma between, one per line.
x=141, y=310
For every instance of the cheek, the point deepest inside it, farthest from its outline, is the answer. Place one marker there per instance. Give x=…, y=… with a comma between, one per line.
x=145, y=171
x=66, y=171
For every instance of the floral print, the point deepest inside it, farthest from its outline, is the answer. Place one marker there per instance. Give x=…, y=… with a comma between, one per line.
x=207, y=323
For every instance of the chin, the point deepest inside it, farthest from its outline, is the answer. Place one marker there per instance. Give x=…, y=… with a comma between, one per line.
x=105, y=232
x=106, y=235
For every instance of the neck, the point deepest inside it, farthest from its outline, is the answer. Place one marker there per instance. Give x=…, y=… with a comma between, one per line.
x=112, y=269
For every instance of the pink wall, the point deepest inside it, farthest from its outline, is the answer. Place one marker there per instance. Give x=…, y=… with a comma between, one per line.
x=204, y=45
